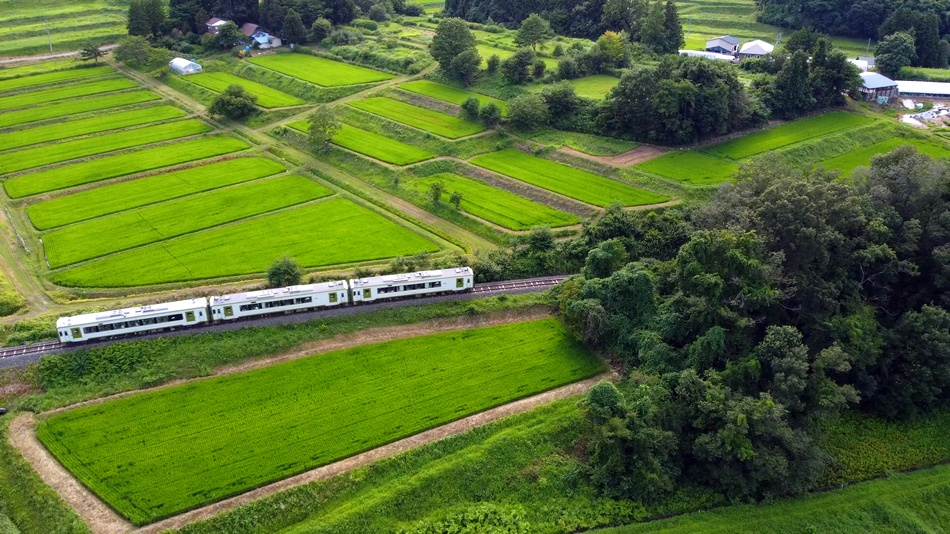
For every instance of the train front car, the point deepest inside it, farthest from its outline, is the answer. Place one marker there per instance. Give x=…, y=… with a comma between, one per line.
x=237, y=305
x=394, y=286
x=132, y=320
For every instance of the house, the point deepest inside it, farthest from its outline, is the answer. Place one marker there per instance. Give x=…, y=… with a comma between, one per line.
x=707, y=55
x=860, y=64
x=875, y=86
x=726, y=44
x=755, y=49
x=183, y=66
x=214, y=24
x=939, y=90
x=249, y=29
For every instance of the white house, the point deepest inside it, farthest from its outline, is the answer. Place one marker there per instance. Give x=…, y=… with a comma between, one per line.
x=183, y=66
x=755, y=49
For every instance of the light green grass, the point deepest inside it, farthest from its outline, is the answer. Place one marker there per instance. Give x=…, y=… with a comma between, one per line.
x=266, y=97
x=565, y=180
x=29, y=69
x=33, y=98
x=323, y=72
x=452, y=95
x=122, y=196
x=158, y=222
x=594, y=145
x=53, y=77
x=91, y=125
x=421, y=118
x=80, y=148
x=497, y=205
x=237, y=432
x=72, y=107
x=373, y=145
x=691, y=168
x=852, y=160
x=326, y=233
x=120, y=165
x=787, y=134
x=595, y=87
x=486, y=51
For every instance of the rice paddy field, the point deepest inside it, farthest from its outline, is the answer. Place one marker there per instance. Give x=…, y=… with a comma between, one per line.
x=691, y=168
x=331, y=232
x=424, y=119
x=497, y=205
x=596, y=87
x=323, y=72
x=373, y=145
x=452, y=95
x=852, y=160
x=71, y=24
x=565, y=180
x=53, y=77
x=327, y=407
x=41, y=96
x=266, y=96
x=74, y=107
x=787, y=134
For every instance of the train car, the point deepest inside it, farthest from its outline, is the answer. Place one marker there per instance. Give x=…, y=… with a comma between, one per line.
x=237, y=305
x=132, y=320
x=411, y=284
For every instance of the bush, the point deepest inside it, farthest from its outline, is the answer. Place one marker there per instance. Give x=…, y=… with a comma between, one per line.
x=284, y=272
x=470, y=108
x=343, y=36
x=378, y=13
x=538, y=68
x=490, y=114
x=528, y=112
x=493, y=62
x=320, y=30
x=366, y=24
x=233, y=103
x=567, y=68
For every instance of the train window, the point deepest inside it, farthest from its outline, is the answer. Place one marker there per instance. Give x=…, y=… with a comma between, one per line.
x=332, y=297
x=392, y=289
x=435, y=284
x=410, y=287
x=306, y=300
x=459, y=282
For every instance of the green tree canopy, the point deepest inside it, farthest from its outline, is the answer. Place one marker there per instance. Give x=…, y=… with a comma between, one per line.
x=534, y=30
x=324, y=125
x=452, y=37
x=234, y=103
x=284, y=272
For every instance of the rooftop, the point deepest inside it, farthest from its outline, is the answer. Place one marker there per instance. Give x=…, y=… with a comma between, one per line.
x=923, y=88
x=756, y=47
x=279, y=292
x=410, y=277
x=131, y=313
x=873, y=80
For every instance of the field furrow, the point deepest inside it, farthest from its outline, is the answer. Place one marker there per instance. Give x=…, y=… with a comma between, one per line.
x=53, y=77
x=33, y=98
x=73, y=107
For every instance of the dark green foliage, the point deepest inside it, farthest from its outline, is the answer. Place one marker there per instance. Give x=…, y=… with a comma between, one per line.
x=284, y=272
x=133, y=50
x=855, y=18
x=320, y=29
x=793, y=92
x=894, y=52
x=465, y=65
x=566, y=17
x=293, y=28
x=471, y=108
x=228, y=36
x=924, y=28
x=528, y=112
x=233, y=103
x=492, y=64
x=452, y=37
x=490, y=114
x=804, y=39
x=146, y=17
x=340, y=11
x=534, y=30
x=516, y=68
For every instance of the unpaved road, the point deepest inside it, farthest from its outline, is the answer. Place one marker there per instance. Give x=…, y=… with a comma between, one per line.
x=631, y=157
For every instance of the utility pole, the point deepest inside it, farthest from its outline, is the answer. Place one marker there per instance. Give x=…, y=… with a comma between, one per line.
x=50, y=39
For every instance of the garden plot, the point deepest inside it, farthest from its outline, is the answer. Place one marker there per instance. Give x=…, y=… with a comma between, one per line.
x=787, y=134
x=565, y=180
x=323, y=72
x=266, y=96
x=421, y=118
x=164, y=452
x=331, y=232
x=120, y=165
x=452, y=95
x=852, y=160
x=165, y=220
x=691, y=168
x=73, y=107
x=53, y=77
x=373, y=145
x=122, y=196
x=33, y=98
x=497, y=205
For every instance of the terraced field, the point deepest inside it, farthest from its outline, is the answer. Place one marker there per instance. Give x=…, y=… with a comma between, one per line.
x=452, y=95
x=691, y=168
x=373, y=145
x=497, y=205
x=53, y=77
x=73, y=107
x=323, y=72
x=852, y=160
x=32, y=98
x=71, y=24
x=787, y=134
x=262, y=433
x=565, y=180
x=424, y=119
x=266, y=96
x=330, y=232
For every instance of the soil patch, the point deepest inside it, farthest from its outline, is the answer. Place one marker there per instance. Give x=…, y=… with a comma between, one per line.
x=627, y=159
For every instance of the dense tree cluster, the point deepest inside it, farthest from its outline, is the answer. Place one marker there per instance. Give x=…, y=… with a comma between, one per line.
x=234, y=103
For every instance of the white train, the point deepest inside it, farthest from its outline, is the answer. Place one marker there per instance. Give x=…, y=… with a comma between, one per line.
x=200, y=311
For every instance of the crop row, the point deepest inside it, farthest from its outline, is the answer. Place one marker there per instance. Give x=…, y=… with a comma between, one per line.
x=424, y=119
x=266, y=96
x=452, y=95
x=62, y=93
x=373, y=145
x=73, y=107
x=323, y=72
x=53, y=77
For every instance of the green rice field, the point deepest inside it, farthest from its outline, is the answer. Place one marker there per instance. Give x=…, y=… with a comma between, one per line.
x=91, y=125
x=852, y=160
x=497, y=205
x=33, y=98
x=421, y=118
x=323, y=72
x=53, y=77
x=691, y=168
x=158, y=222
x=330, y=232
x=118, y=165
x=73, y=107
x=595, y=87
x=373, y=145
x=452, y=95
x=237, y=432
x=131, y=194
x=266, y=96
x=71, y=25
x=43, y=67
x=787, y=134
x=565, y=180
x=80, y=148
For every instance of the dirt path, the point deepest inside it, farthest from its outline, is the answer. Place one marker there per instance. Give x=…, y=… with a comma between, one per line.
x=627, y=159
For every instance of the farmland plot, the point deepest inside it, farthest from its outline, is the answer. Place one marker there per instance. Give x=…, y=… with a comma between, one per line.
x=852, y=160
x=565, y=180
x=33, y=98
x=421, y=118
x=53, y=77
x=144, y=191
x=452, y=95
x=323, y=72
x=595, y=87
x=373, y=145
x=331, y=232
x=327, y=407
x=120, y=165
x=266, y=96
x=787, y=134
x=73, y=107
x=691, y=168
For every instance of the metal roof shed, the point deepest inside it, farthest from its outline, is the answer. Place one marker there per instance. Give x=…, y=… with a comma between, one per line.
x=927, y=89
x=183, y=66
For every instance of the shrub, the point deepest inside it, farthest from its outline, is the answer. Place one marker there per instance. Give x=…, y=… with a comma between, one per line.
x=320, y=30
x=284, y=272
x=528, y=112
x=366, y=24
x=470, y=108
x=493, y=62
x=490, y=114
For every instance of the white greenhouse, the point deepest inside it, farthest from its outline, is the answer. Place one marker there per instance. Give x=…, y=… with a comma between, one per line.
x=183, y=66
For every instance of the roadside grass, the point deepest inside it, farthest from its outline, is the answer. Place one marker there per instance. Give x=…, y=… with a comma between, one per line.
x=372, y=144
x=33, y=98
x=787, y=134
x=594, y=145
x=73, y=107
x=120, y=165
x=565, y=180
x=421, y=118
x=595, y=87
x=53, y=77
x=119, y=197
x=452, y=95
x=266, y=97
x=691, y=168
x=80, y=148
x=91, y=125
x=158, y=222
x=497, y=205
x=262, y=434
x=323, y=72
x=331, y=232
x=848, y=162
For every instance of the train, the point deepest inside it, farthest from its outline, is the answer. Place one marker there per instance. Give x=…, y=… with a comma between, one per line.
x=223, y=308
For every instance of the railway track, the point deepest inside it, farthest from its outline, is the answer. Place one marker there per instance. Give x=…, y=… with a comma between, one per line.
x=23, y=355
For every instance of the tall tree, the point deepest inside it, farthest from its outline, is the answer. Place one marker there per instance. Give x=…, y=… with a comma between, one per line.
x=925, y=29
x=653, y=30
x=672, y=29
x=294, y=30
x=830, y=75
x=793, y=96
x=233, y=103
x=340, y=11
x=534, y=30
x=895, y=52
x=324, y=125
x=452, y=37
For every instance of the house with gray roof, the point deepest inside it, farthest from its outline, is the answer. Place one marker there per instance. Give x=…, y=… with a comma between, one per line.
x=874, y=86
x=726, y=44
